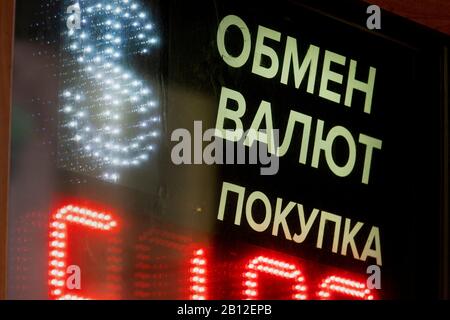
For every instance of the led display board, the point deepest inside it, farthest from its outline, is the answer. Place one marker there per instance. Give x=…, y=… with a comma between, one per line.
x=225, y=150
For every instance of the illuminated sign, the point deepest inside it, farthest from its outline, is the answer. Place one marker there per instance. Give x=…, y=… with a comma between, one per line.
x=255, y=276
x=224, y=150
x=109, y=109
x=58, y=248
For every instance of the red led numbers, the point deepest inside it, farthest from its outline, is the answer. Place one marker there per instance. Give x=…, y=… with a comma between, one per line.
x=275, y=268
x=59, y=240
x=254, y=273
x=198, y=278
x=342, y=286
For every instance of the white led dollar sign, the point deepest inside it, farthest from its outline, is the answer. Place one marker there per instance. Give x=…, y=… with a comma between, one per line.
x=110, y=111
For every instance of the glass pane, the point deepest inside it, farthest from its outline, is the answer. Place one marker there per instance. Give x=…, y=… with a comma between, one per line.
x=118, y=191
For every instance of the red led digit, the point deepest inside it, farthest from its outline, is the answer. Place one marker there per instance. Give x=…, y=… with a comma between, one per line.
x=343, y=286
x=277, y=268
x=58, y=243
x=198, y=278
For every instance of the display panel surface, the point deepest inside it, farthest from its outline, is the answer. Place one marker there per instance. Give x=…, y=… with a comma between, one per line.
x=118, y=191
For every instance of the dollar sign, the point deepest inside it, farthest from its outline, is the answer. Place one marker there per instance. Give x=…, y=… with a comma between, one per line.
x=110, y=112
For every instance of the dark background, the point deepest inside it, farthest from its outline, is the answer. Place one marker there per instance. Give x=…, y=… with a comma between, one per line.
x=404, y=197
